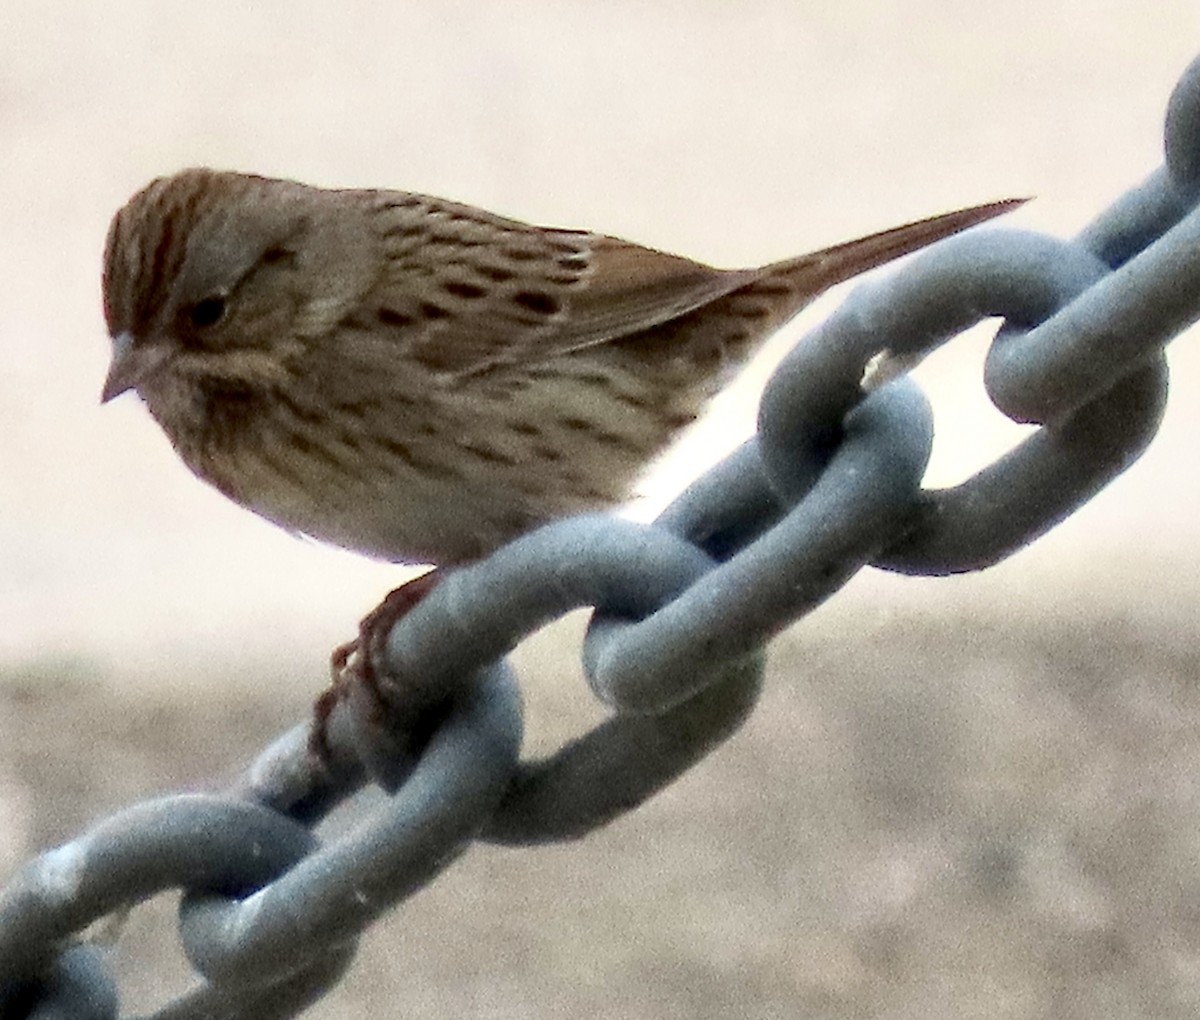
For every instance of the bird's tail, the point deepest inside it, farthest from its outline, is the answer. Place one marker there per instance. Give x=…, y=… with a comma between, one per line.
x=721, y=336
x=809, y=275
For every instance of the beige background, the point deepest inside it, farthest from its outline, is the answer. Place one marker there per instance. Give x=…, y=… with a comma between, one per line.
x=736, y=133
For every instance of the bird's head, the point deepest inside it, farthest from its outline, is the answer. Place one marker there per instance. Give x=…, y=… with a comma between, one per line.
x=225, y=275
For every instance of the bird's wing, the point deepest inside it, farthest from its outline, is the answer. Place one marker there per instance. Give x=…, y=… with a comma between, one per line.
x=465, y=291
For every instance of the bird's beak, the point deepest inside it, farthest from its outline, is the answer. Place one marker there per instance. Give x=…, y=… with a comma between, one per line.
x=131, y=363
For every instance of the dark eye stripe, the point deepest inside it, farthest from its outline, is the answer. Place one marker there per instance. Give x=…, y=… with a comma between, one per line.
x=207, y=312
x=276, y=254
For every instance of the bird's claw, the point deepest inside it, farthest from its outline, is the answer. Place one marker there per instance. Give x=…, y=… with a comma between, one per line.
x=353, y=665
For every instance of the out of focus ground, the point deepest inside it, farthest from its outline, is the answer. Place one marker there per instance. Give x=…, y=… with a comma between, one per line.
x=928, y=816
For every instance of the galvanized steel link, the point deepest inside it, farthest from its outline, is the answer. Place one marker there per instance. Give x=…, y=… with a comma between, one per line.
x=831, y=482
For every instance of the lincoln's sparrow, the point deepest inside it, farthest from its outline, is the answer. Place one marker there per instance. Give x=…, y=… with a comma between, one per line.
x=420, y=380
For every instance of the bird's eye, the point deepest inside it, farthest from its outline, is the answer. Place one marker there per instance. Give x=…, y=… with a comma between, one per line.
x=208, y=311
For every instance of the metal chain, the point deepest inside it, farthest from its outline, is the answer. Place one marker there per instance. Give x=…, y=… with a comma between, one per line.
x=683, y=607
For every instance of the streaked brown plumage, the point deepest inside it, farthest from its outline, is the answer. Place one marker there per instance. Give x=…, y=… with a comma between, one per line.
x=420, y=380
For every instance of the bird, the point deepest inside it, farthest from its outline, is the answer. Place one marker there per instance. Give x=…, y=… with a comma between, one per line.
x=423, y=381
x=419, y=380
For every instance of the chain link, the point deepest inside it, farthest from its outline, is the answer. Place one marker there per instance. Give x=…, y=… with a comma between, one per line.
x=683, y=607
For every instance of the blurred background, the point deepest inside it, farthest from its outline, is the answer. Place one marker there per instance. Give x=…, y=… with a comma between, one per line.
x=963, y=797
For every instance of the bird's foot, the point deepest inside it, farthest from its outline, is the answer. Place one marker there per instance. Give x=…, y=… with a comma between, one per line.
x=352, y=665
